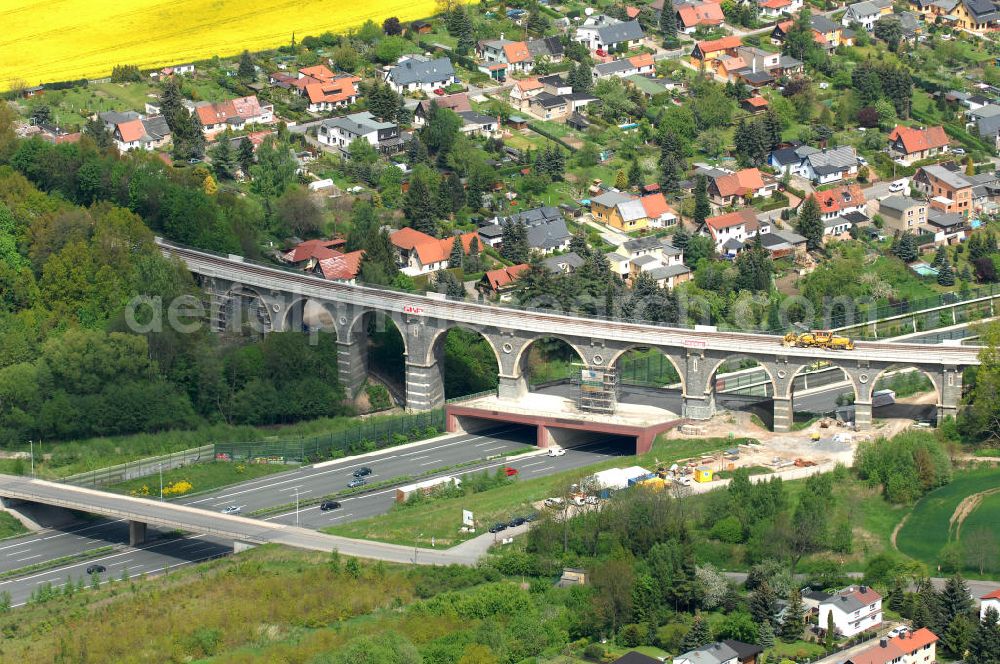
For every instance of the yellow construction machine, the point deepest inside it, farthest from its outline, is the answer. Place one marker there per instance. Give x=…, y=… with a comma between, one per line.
x=818, y=339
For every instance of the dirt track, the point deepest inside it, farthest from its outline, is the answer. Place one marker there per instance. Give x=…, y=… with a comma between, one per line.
x=965, y=508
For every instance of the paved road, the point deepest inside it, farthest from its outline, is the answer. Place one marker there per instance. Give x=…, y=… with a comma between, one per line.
x=273, y=490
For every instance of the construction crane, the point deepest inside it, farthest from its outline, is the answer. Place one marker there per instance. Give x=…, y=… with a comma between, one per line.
x=818, y=339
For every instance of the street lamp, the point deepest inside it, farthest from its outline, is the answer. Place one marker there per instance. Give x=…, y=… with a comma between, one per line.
x=415, y=542
x=161, y=481
x=31, y=443
x=296, y=506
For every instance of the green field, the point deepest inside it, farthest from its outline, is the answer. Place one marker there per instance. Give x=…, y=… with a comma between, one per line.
x=9, y=526
x=201, y=476
x=927, y=530
x=440, y=519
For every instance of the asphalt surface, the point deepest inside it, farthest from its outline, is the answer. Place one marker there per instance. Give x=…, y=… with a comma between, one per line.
x=164, y=550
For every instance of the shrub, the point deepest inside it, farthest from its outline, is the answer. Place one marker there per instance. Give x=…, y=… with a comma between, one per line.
x=728, y=530
x=594, y=652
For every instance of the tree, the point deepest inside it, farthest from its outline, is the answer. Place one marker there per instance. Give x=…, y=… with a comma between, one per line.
x=955, y=599
x=246, y=70
x=418, y=207
x=905, y=247
x=634, y=174
x=668, y=26
x=755, y=268
x=96, y=130
x=514, y=241
x=763, y=604
x=274, y=170
x=441, y=131
x=41, y=114
x=959, y=635
x=809, y=223
x=391, y=26
x=888, y=29
x=702, y=207
x=791, y=623
x=297, y=211
x=985, y=645
x=886, y=113
x=460, y=26
x=670, y=180
x=223, y=159
x=697, y=636
x=765, y=635
x=245, y=155
x=946, y=275
x=621, y=181
x=681, y=237
x=455, y=258
x=970, y=166
x=739, y=626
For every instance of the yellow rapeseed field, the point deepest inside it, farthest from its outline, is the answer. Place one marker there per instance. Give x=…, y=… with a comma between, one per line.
x=60, y=40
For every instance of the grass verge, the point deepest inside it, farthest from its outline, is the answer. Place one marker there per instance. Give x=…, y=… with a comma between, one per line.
x=202, y=477
x=10, y=526
x=441, y=519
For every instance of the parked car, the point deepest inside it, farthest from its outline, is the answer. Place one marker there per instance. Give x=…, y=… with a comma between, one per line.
x=232, y=509
x=958, y=150
x=516, y=521
x=362, y=471
x=497, y=527
x=329, y=505
x=902, y=629
x=96, y=569
x=439, y=92
x=511, y=472
x=554, y=502
x=898, y=185
x=356, y=482
x=556, y=451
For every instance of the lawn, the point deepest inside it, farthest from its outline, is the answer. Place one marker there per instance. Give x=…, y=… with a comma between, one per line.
x=201, y=476
x=440, y=519
x=927, y=530
x=9, y=526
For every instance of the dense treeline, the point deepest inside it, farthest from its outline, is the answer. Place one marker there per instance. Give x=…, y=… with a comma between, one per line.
x=69, y=364
x=906, y=466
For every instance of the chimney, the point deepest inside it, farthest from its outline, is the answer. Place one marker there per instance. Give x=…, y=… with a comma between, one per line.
x=883, y=642
x=864, y=589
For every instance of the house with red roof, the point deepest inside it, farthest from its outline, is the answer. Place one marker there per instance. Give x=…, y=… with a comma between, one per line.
x=705, y=51
x=324, y=258
x=334, y=93
x=778, y=8
x=854, y=609
x=234, y=113
x=140, y=133
x=523, y=91
x=728, y=188
x=732, y=230
x=658, y=211
x=419, y=253
x=910, y=144
x=840, y=201
x=515, y=55
x=756, y=104
x=501, y=282
x=692, y=15
x=989, y=601
x=916, y=647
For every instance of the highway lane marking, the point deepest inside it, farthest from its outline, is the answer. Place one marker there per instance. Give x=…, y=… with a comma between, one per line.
x=427, y=463
x=303, y=475
x=38, y=583
x=14, y=546
x=529, y=465
x=420, y=457
x=540, y=470
x=21, y=560
x=342, y=516
x=38, y=536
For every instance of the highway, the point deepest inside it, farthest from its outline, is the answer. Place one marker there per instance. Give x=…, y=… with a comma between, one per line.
x=273, y=490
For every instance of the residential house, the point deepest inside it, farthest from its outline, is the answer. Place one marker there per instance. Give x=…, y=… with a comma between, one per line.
x=867, y=13
x=523, y=91
x=855, y=609
x=335, y=93
x=754, y=105
x=989, y=601
x=637, y=64
x=909, y=144
x=706, y=51
x=721, y=652
x=457, y=102
x=650, y=86
x=728, y=188
x=421, y=27
x=987, y=125
x=477, y=124
x=948, y=191
x=653, y=256
x=828, y=164
x=141, y=133
x=658, y=211
x=774, y=9
x=549, y=107
x=550, y=48
x=415, y=73
x=419, y=253
x=737, y=226
x=781, y=244
x=555, y=84
x=811, y=599
x=902, y=213
x=500, y=283
x=324, y=258
x=341, y=132
x=514, y=54
x=754, y=66
x=826, y=33
x=916, y=647
x=977, y=16
x=947, y=227
x=604, y=34
x=563, y=263
x=631, y=213
x=546, y=230
x=233, y=114
x=841, y=209
x=694, y=14
x=114, y=118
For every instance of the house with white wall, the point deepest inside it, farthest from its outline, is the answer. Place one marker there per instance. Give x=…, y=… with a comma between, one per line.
x=855, y=609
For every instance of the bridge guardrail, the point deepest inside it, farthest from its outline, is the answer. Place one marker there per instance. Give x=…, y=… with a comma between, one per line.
x=867, y=315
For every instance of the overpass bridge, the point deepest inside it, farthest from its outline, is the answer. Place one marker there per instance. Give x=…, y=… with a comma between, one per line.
x=140, y=512
x=241, y=292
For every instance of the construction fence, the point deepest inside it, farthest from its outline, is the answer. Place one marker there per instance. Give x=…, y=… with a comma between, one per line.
x=141, y=467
